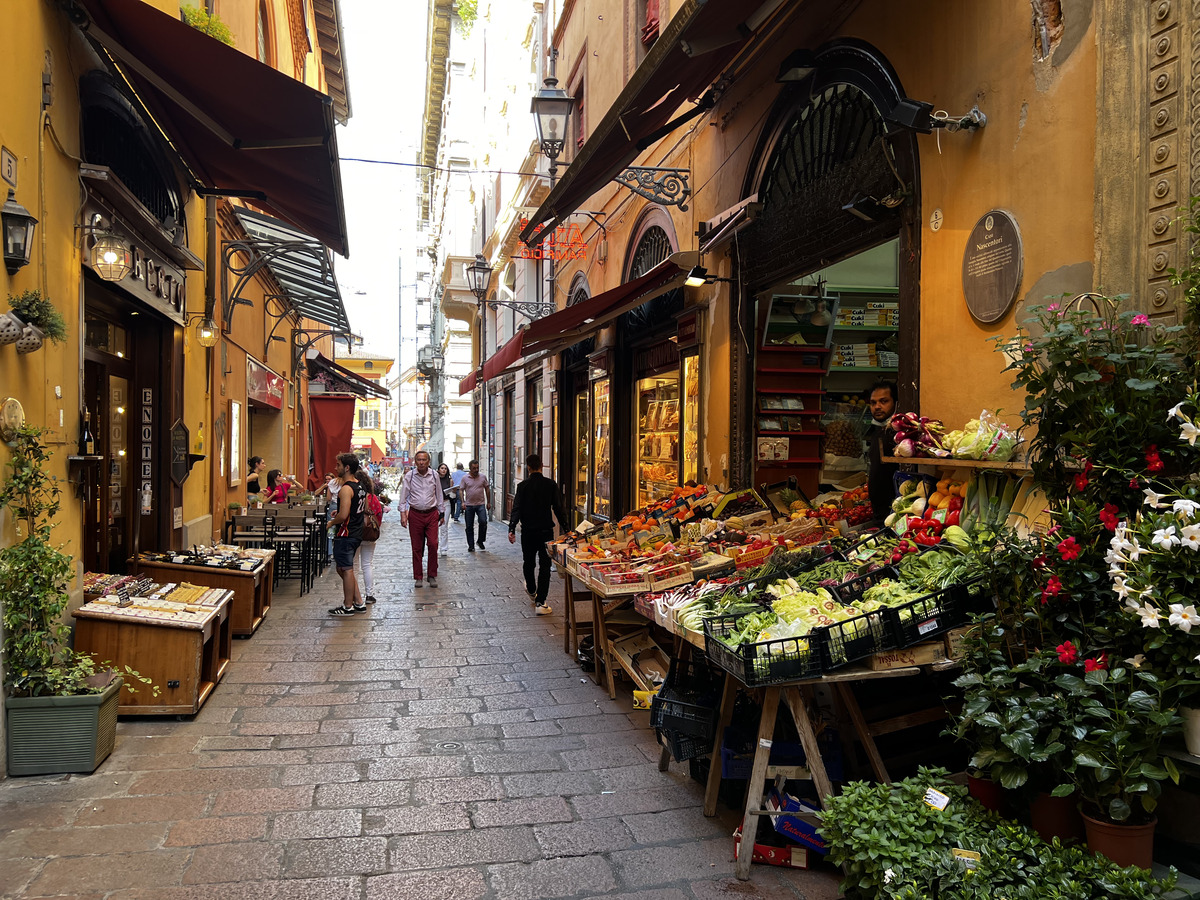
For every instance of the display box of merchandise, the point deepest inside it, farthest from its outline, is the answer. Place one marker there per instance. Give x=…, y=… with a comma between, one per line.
x=795, y=826
x=791, y=856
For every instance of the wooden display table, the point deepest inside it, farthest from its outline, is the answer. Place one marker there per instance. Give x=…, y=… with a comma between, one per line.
x=185, y=660
x=797, y=695
x=251, y=588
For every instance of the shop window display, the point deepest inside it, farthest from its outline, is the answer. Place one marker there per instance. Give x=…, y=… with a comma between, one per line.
x=602, y=466
x=691, y=418
x=583, y=428
x=658, y=436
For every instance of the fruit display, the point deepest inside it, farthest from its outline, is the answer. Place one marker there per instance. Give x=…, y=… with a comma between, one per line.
x=842, y=438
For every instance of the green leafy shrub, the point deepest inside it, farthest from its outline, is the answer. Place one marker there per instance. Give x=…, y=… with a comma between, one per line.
x=895, y=846
x=209, y=23
x=35, y=310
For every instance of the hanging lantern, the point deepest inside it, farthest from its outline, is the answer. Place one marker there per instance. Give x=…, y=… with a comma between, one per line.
x=111, y=257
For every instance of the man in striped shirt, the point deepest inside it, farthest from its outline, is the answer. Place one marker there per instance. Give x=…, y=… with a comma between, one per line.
x=422, y=510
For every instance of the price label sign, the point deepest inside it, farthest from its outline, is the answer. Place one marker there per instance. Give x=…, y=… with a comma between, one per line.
x=936, y=799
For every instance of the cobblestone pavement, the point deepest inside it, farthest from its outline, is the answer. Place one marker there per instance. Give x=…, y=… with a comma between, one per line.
x=440, y=747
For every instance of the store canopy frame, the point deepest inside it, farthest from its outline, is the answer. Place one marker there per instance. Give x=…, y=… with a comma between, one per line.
x=301, y=265
x=241, y=127
x=571, y=325
x=506, y=356
x=701, y=40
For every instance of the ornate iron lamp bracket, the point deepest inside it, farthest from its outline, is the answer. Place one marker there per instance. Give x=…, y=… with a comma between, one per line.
x=666, y=186
x=528, y=310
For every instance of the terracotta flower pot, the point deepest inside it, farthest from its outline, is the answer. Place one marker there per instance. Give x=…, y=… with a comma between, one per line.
x=989, y=794
x=1056, y=817
x=1191, y=729
x=1126, y=845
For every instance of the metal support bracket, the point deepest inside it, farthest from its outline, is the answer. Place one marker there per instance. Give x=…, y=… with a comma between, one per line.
x=303, y=338
x=258, y=254
x=666, y=186
x=528, y=310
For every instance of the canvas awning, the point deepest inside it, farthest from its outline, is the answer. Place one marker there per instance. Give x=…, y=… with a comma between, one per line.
x=342, y=379
x=504, y=357
x=332, y=424
x=240, y=126
x=468, y=384
x=702, y=39
x=570, y=325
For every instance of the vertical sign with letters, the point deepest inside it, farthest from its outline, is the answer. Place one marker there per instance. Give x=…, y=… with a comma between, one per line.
x=147, y=450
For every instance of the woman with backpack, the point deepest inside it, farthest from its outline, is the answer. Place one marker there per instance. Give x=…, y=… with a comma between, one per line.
x=372, y=519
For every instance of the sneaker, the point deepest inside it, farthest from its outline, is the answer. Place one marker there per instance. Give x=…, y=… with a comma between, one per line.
x=543, y=609
x=470, y=549
x=370, y=599
x=432, y=581
x=347, y=610
x=418, y=583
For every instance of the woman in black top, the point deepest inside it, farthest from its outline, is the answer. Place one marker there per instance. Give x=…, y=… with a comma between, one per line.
x=256, y=465
x=447, y=488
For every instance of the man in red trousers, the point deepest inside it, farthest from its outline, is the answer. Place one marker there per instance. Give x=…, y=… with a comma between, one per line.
x=422, y=510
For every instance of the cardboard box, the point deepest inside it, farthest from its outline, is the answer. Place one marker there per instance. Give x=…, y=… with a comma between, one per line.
x=954, y=641
x=642, y=659
x=790, y=857
x=796, y=827
x=917, y=655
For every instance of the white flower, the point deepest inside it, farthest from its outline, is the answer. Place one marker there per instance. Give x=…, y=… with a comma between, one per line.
x=1183, y=616
x=1114, y=559
x=1185, y=508
x=888, y=875
x=1149, y=616
x=1134, y=551
x=1173, y=412
x=1153, y=500
x=1132, y=605
x=1120, y=588
x=1189, y=432
x=1165, y=538
x=1136, y=661
x=1190, y=537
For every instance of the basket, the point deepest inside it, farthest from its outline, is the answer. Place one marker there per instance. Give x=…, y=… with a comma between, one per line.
x=927, y=617
x=861, y=550
x=764, y=663
x=684, y=746
x=853, y=639
x=688, y=700
x=850, y=593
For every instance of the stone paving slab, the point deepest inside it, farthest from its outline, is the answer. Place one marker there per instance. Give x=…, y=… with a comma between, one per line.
x=449, y=752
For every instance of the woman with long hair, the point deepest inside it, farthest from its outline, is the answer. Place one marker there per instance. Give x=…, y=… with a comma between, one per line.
x=366, y=550
x=447, y=489
x=276, y=490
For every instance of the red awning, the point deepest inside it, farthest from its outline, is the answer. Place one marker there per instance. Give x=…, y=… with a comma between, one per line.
x=240, y=126
x=702, y=39
x=570, y=325
x=332, y=424
x=504, y=357
x=342, y=379
x=468, y=384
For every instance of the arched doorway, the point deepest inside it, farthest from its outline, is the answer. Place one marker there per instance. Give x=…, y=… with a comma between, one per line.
x=839, y=190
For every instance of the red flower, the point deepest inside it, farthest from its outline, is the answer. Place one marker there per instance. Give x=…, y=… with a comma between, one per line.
x=1100, y=662
x=1067, y=654
x=1154, y=462
x=1081, y=482
x=1108, y=516
x=1052, y=589
x=1068, y=550
x=1133, y=484
x=1039, y=561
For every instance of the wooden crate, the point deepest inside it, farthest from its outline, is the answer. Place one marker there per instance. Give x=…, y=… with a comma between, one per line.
x=917, y=655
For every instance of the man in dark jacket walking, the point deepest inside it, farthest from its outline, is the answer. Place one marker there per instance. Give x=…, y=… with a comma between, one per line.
x=537, y=498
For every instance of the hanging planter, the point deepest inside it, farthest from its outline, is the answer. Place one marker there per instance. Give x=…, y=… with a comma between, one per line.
x=31, y=339
x=10, y=328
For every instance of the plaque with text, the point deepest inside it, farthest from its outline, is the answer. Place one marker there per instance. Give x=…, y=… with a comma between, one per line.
x=180, y=465
x=992, y=266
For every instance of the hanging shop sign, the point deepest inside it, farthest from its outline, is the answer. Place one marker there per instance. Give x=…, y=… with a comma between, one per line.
x=657, y=358
x=688, y=335
x=566, y=243
x=992, y=266
x=264, y=386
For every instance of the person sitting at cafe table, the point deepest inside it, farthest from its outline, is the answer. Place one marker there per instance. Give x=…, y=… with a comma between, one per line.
x=277, y=488
x=256, y=465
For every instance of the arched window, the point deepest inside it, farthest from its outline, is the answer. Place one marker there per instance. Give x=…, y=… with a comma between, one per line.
x=653, y=244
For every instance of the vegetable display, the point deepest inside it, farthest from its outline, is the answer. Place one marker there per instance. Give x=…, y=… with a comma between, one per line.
x=917, y=435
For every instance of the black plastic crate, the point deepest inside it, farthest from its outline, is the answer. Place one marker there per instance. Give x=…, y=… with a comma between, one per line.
x=975, y=595
x=684, y=746
x=684, y=715
x=854, y=639
x=689, y=698
x=850, y=593
x=764, y=663
x=927, y=617
x=869, y=542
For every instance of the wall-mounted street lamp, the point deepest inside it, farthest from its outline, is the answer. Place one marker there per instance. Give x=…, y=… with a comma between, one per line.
x=551, y=108
x=112, y=259
x=18, y=233
x=917, y=115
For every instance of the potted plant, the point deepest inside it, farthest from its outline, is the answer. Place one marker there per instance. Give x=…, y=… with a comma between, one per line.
x=1119, y=722
x=61, y=706
x=254, y=500
x=234, y=508
x=40, y=318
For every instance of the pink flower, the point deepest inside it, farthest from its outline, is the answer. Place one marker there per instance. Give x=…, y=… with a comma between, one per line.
x=1108, y=516
x=1052, y=307
x=1067, y=654
x=1100, y=662
x=1028, y=348
x=1068, y=549
x=1139, y=319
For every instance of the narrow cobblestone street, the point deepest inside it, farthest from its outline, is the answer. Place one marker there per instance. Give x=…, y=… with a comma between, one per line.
x=441, y=746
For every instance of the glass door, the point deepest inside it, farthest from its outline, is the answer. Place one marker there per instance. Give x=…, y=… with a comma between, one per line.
x=657, y=437
x=690, y=454
x=583, y=455
x=602, y=467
